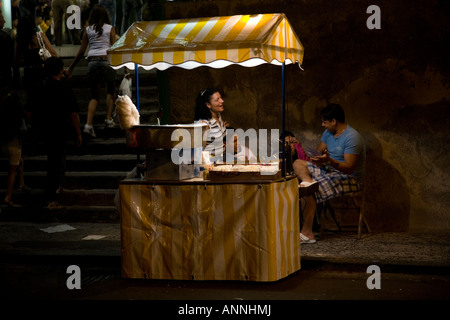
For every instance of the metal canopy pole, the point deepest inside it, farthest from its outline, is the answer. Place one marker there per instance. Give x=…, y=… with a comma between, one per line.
x=283, y=88
x=136, y=71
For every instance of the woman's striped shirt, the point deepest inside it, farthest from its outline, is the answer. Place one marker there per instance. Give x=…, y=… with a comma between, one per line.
x=216, y=133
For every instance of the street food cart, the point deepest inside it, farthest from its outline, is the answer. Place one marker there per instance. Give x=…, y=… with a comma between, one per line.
x=236, y=225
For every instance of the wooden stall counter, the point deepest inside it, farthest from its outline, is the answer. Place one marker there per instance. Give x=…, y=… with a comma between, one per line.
x=201, y=230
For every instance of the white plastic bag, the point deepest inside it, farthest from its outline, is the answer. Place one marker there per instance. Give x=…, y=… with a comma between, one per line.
x=126, y=112
x=125, y=86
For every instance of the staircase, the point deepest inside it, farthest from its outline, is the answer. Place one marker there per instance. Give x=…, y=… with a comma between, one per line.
x=93, y=171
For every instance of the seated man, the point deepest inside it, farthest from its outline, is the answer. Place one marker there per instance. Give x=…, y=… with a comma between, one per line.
x=339, y=168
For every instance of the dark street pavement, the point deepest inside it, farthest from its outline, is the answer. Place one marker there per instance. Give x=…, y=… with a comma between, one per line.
x=35, y=258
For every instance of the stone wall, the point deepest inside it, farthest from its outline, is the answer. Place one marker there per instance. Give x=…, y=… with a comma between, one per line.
x=393, y=84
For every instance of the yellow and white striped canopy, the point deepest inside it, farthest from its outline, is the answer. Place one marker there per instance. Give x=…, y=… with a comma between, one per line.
x=247, y=40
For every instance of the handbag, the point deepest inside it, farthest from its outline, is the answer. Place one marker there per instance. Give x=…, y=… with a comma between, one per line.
x=125, y=86
x=44, y=54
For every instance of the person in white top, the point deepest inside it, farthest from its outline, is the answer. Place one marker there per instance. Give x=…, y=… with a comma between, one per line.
x=100, y=36
x=208, y=109
x=236, y=151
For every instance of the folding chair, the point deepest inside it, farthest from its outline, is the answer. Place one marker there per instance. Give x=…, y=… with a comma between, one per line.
x=358, y=200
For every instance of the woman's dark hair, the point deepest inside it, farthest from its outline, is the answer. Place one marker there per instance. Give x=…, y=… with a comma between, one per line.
x=98, y=17
x=26, y=30
x=333, y=111
x=288, y=134
x=202, y=112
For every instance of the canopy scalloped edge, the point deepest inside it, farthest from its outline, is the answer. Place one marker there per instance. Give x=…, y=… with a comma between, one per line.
x=217, y=64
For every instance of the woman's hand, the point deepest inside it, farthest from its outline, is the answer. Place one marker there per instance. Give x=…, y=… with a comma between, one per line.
x=67, y=73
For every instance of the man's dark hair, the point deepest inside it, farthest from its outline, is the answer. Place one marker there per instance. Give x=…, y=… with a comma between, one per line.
x=333, y=111
x=53, y=66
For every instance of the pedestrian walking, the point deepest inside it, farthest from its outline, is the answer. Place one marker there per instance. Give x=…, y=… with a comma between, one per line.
x=99, y=36
x=129, y=6
x=27, y=55
x=56, y=121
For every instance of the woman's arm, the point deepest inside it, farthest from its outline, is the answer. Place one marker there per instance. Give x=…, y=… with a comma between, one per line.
x=48, y=45
x=81, y=51
x=112, y=36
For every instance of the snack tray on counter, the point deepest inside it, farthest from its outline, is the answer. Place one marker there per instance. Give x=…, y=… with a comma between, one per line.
x=244, y=172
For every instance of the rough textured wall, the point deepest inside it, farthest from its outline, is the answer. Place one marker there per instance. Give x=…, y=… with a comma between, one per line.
x=393, y=84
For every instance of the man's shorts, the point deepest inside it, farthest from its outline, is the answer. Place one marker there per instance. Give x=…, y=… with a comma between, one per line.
x=332, y=183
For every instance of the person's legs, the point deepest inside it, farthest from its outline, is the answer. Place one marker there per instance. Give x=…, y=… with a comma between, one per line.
x=95, y=76
x=110, y=6
x=308, y=217
x=10, y=184
x=301, y=170
x=109, y=105
x=55, y=170
x=92, y=107
x=20, y=175
x=138, y=9
x=75, y=37
x=14, y=152
x=89, y=127
x=58, y=14
x=331, y=184
x=126, y=8
x=110, y=79
x=51, y=185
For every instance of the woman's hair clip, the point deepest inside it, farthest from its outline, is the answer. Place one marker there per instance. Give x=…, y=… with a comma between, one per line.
x=203, y=92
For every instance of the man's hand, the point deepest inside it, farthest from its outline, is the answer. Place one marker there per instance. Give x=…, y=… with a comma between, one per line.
x=321, y=160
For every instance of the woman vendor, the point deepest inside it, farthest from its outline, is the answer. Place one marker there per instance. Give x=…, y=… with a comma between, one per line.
x=208, y=109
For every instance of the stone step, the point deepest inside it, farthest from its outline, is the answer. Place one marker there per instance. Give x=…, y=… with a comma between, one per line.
x=76, y=180
x=92, y=213
x=79, y=197
x=103, y=144
x=147, y=82
x=88, y=162
x=95, y=169
x=146, y=115
x=147, y=94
